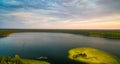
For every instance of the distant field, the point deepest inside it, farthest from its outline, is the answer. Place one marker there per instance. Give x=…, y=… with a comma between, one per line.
x=111, y=34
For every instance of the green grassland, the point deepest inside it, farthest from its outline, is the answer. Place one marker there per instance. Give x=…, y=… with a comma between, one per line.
x=18, y=60
x=111, y=34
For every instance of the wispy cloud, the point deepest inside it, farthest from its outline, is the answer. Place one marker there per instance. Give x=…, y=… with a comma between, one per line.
x=59, y=13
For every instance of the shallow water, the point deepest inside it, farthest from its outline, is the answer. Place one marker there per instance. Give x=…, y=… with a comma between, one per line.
x=53, y=46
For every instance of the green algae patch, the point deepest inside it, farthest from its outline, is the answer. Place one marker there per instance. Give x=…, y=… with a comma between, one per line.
x=29, y=61
x=92, y=56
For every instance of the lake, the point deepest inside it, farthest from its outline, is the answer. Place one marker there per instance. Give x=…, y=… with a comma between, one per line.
x=53, y=46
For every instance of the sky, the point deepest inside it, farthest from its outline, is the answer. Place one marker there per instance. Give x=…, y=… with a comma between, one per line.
x=59, y=14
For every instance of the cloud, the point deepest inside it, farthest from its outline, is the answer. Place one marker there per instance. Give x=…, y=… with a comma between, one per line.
x=34, y=18
x=59, y=13
x=71, y=8
x=38, y=21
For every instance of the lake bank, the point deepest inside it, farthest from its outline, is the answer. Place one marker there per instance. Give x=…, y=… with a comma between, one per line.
x=18, y=60
x=110, y=34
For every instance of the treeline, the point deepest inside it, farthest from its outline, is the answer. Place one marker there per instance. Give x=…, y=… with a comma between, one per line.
x=104, y=34
x=112, y=34
x=9, y=60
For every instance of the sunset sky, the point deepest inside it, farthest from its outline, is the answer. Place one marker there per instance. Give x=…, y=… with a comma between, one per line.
x=60, y=14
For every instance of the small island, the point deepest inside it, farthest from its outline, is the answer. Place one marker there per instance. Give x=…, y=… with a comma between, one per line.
x=92, y=56
x=18, y=60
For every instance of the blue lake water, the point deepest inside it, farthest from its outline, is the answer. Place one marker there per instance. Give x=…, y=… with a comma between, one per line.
x=53, y=46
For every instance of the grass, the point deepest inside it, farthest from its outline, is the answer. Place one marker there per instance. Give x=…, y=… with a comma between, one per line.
x=92, y=56
x=111, y=34
x=18, y=60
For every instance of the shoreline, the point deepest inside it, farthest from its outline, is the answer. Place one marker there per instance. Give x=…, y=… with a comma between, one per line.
x=109, y=34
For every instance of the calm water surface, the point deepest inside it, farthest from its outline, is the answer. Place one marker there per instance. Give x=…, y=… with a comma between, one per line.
x=54, y=46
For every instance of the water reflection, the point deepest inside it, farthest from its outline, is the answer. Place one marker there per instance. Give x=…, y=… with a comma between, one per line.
x=54, y=46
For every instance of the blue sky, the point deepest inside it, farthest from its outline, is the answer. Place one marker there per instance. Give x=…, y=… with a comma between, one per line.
x=60, y=14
